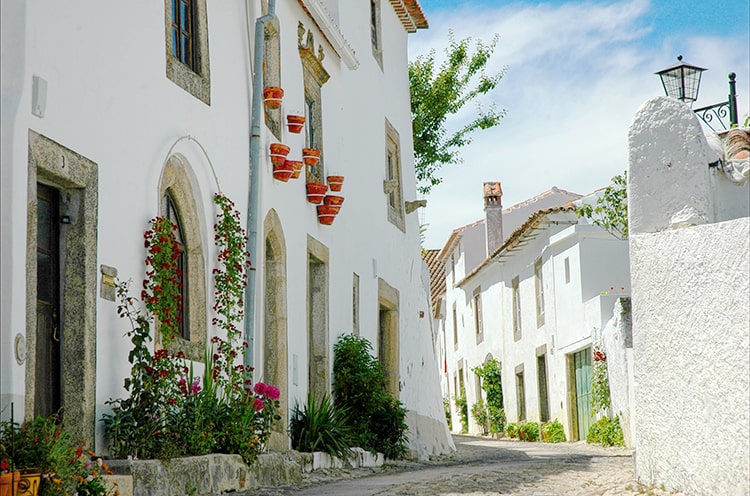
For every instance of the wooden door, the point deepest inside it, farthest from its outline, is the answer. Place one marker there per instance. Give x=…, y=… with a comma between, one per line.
x=48, y=398
x=582, y=369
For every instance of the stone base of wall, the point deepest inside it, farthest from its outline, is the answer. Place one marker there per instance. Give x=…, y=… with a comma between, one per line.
x=209, y=475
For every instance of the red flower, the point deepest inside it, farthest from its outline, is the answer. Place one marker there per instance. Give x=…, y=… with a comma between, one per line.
x=260, y=389
x=257, y=404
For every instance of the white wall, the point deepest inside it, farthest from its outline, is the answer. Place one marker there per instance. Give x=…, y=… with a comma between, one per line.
x=691, y=287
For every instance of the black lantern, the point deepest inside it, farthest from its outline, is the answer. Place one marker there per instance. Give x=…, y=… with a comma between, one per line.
x=682, y=81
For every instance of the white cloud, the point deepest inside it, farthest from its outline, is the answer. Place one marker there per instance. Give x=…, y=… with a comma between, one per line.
x=577, y=74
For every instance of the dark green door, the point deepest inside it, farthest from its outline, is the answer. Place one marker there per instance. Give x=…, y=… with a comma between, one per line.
x=48, y=397
x=582, y=370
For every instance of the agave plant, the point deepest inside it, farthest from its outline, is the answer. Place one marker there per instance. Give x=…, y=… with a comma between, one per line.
x=318, y=426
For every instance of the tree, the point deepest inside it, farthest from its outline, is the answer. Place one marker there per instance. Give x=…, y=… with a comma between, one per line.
x=438, y=93
x=611, y=209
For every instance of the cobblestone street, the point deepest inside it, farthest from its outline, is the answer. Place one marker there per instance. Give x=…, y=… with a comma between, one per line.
x=488, y=467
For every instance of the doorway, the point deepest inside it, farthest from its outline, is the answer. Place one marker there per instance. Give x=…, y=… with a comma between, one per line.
x=48, y=397
x=580, y=394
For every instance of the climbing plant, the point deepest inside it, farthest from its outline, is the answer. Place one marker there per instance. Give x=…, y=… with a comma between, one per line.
x=492, y=384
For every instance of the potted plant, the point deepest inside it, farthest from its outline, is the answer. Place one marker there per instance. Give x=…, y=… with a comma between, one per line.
x=296, y=168
x=284, y=171
x=295, y=121
x=316, y=192
x=335, y=182
x=333, y=201
x=9, y=476
x=311, y=156
x=278, y=153
x=326, y=213
x=272, y=96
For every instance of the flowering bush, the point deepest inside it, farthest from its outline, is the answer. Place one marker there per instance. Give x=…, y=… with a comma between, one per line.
x=600, y=398
x=170, y=411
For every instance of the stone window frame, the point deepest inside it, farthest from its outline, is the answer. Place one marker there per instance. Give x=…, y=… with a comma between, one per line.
x=478, y=317
x=455, y=327
x=272, y=70
x=520, y=393
x=566, y=264
x=318, y=318
x=314, y=77
x=393, y=183
x=516, y=307
x=355, y=303
x=176, y=180
x=539, y=291
x=376, y=32
x=77, y=178
x=389, y=335
x=195, y=80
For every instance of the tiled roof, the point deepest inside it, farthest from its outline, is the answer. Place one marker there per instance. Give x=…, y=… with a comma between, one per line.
x=527, y=227
x=437, y=276
x=410, y=14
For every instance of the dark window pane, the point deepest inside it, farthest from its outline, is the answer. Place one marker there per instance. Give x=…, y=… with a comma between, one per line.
x=184, y=11
x=183, y=49
x=175, y=44
x=174, y=11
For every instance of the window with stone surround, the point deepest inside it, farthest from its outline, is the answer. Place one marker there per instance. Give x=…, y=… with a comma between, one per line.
x=376, y=36
x=516, y=309
x=187, y=58
x=478, y=324
x=272, y=69
x=392, y=186
x=539, y=289
x=314, y=77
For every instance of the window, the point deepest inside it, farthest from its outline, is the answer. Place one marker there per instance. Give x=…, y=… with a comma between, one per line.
x=272, y=70
x=478, y=326
x=173, y=215
x=520, y=394
x=392, y=184
x=516, y=309
x=453, y=269
x=314, y=76
x=179, y=205
x=455, y=328
x=355, y=304
x=567, y=270
x=375, y=32
x=187, y=47
x=539, y=287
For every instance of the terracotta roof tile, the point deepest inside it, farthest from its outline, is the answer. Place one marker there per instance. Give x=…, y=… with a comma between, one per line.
x=437, y=276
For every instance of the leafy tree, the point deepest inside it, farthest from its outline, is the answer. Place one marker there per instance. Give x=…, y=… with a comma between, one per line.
x=611, y=209
x=437, y=93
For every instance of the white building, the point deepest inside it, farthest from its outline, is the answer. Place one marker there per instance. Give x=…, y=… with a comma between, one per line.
x=532, y=303
x=107, y=118
x=690, y=255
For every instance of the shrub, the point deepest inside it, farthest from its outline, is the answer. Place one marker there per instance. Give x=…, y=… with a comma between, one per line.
x=496, y=417
x=529, y=431
x=479, y=413
x=447, y=409
x=511, y=429
x=318, y=426
x=553, y=432
x=375, y=417
x=463, y=412
x=606, y=431
x=492, y=384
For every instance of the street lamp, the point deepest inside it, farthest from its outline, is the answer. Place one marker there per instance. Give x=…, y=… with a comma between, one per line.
x=683, y=80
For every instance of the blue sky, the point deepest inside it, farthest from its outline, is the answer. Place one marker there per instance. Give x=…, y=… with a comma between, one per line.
x=577, y=72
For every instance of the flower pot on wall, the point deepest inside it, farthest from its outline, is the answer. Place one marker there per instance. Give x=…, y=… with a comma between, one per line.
x=279, y=153
x=335, y=182
x=333, y=201
x=311, y=156
x=316, y=192
x=284, y=171
x=272, y=96
x=296, y=168
x=295, y=123
x=326, y=214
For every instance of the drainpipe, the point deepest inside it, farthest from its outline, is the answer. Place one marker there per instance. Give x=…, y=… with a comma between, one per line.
x=252, y=201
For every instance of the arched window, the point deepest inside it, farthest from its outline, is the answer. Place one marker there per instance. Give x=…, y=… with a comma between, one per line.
x=178, y=194
x=173, y=214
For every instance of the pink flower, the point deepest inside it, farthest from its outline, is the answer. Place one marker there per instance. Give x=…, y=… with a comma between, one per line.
x=257, y=404
x=273, y=393
x=195, y=387
x=260, y=389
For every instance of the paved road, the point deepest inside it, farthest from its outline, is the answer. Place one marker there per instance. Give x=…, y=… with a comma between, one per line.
x=488, y=467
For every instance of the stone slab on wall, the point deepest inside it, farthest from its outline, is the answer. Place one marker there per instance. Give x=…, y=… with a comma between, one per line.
x=691, y=345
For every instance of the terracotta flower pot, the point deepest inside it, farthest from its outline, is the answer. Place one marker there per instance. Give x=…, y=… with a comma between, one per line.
x=9, y=483
x=284, y=171
x=326, y=214
x=311, y=156
x=335, y=182
x=333, y=200
x=295, y=123
x=296, y=167
x=316, y=192
x=279, y=153
x=272, y=96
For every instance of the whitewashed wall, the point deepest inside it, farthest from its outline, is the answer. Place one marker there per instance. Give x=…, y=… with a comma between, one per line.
x=691, y=287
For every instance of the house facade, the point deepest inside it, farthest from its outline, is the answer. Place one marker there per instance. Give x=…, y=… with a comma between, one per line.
x=535, y=304
x=104, y=128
